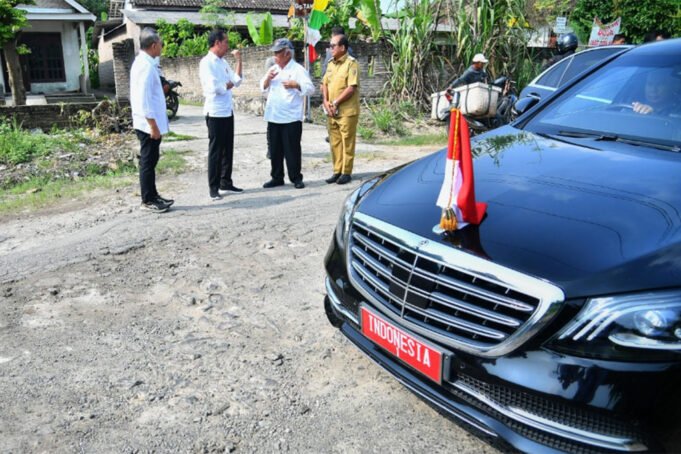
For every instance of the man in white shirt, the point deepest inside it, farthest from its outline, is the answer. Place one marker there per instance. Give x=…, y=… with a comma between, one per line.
x=149, y=117
x=217, y=81
x=286, y=84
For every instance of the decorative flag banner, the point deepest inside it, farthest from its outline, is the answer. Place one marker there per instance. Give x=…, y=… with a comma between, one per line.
x=318, y=17
x=313, y=37
x=457, y=195
x=602, y=34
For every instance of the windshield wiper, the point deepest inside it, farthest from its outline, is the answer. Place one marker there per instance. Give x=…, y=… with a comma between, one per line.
x=584, y=135
x=615, y=138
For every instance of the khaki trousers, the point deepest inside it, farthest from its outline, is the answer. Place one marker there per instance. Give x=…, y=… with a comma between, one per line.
x=342, y=133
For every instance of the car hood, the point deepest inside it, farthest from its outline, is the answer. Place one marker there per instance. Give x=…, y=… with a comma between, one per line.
x=591, y=221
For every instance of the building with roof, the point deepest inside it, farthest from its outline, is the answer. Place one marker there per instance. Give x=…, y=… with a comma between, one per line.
x=56, y=37
x=127, y=18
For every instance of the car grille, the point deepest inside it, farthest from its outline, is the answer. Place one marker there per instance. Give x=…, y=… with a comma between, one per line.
x=443, y=293
x=580, y=420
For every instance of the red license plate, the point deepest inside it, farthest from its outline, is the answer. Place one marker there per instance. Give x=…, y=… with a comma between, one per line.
x=404, y=346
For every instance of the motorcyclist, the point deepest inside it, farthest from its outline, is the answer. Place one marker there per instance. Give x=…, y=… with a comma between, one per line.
x=566, y=45
x=475, y=73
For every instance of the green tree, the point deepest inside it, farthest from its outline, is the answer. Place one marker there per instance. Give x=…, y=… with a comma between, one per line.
x=12, y=20
x=638, y=18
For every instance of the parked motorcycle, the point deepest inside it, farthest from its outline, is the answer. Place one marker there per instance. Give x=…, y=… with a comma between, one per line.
x=172, y=97
x=479, y=124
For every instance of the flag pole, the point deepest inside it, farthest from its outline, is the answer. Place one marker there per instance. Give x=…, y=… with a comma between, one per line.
x=306, y=53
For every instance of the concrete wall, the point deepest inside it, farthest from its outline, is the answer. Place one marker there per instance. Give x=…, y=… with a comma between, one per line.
x=4, y=88
x=247, y=97
x=71, y=50
x=106, y=60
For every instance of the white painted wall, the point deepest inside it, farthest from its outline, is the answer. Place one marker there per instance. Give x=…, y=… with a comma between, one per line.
x=71, y=49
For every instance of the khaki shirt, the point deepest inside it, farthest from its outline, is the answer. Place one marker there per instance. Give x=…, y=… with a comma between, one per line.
x=339, y=75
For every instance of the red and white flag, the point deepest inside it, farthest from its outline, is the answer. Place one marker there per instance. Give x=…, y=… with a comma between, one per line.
x=457, y=195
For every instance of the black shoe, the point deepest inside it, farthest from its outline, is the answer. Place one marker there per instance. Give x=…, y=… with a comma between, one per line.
x=232, y=188
x=273, y=184
x=327, y=139
x=299, y=185
x=165, y=201
x=333, y=178
x=343, y=179
x=215, y=196
x=155, y=206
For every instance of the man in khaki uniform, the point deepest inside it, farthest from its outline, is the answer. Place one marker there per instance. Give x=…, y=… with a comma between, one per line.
x=340, y=91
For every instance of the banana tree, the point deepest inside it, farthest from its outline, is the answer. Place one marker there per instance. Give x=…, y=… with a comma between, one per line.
x=261, y=36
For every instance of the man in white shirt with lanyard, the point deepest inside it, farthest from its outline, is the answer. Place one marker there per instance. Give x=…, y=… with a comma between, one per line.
x=217, y=81
x=286, y=84
x=149, y=117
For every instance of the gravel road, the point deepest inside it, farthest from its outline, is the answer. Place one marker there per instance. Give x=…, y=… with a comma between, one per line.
x=198, y=330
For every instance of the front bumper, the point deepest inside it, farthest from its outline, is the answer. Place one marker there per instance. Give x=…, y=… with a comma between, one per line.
x=534, y=400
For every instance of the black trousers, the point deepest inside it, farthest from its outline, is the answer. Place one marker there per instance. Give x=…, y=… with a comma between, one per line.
x=285, y=145
x=220, y=151
x=149, y=155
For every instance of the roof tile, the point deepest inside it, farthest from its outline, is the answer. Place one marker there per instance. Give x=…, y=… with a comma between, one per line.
x=239, y=5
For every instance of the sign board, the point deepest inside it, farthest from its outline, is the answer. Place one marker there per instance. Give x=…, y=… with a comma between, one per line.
x=602, y=34
x=561, y=25
x=303, y=8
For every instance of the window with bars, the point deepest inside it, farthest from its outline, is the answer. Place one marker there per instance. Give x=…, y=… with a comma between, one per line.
x=46, y=60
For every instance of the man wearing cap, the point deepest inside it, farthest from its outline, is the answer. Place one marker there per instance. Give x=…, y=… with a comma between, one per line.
x=217, y=81
x=340, y=94
x=286, y=83
x=475, y=73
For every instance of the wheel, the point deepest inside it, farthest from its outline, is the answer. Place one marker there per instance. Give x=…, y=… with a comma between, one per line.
x=172, y=104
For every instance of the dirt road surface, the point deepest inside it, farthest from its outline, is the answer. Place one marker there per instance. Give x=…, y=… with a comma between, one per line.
x=198, y=330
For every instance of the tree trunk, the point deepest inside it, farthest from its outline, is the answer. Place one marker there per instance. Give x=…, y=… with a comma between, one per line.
x=16, y=81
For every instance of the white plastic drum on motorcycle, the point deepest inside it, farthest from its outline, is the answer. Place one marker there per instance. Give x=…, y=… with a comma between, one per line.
x=440, y=105
x=478, y=99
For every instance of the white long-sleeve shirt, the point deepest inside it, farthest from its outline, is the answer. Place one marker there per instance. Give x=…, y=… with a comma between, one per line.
x=215, y=73
x=146, y=94
x=285, y=105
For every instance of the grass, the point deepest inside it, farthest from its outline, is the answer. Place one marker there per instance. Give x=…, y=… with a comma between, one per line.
x=171, y=162
x=175, y=137
x=39, y=192
x=189, y=102
x=18, y=145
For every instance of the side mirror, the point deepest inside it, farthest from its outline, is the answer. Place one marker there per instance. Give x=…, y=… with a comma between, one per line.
x=524, y=104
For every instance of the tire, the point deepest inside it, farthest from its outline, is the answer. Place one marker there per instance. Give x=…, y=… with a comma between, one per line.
x=172, y=104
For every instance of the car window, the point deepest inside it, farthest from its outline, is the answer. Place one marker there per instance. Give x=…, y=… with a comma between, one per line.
x=554, y=74
x=605, y=103
x=584, y=60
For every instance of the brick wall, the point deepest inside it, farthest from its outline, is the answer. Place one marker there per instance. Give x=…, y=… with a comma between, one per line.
x=123, y=56
x=247, y=97
x=47, y=116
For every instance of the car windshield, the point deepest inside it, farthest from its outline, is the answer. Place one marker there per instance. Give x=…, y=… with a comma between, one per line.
x=637, y=99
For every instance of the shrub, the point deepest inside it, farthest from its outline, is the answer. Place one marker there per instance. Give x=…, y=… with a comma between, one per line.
x=18, y=146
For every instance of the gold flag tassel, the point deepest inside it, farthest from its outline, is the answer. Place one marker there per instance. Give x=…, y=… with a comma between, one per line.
x=448, y=221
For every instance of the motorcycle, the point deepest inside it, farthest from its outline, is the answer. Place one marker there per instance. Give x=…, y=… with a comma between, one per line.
x=477, y=125
x=172, y=97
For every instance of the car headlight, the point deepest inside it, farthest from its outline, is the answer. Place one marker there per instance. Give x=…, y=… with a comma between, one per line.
x=644, y=326
x=349, y=206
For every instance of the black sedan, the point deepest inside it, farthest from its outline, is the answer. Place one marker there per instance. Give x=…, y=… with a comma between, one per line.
x=555, y=324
